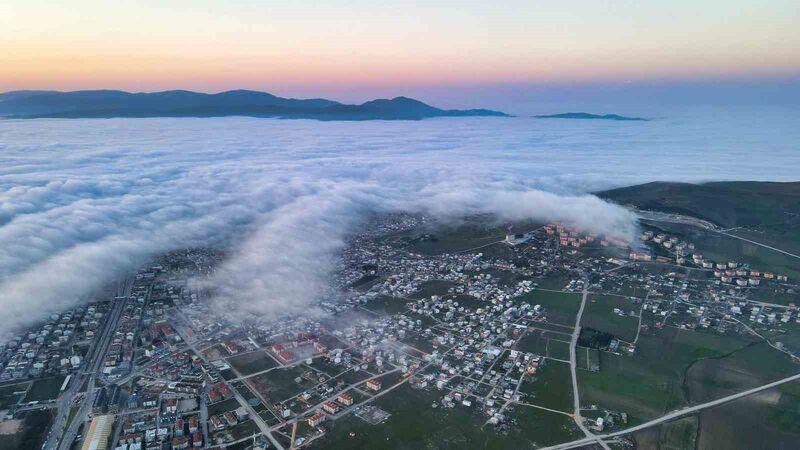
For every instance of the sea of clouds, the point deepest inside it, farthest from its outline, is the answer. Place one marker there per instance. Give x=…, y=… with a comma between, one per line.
x=83, y=202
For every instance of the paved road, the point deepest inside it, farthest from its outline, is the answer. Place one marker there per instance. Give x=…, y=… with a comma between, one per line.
x=759, y=244
x=674, y=415
x=677, y=218
x=92, y=368
x=573, y=365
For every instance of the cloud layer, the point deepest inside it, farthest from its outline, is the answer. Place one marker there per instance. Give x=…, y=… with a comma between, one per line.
x=83, y=201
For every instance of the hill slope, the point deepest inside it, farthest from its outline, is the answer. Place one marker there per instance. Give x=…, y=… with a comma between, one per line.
x=178, y=103
x=583, y=115
x=728, y=204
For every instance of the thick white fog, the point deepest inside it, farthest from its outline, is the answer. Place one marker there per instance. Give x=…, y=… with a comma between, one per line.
x=83, y=201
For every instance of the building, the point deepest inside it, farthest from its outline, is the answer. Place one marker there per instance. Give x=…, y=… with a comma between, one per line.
x=330, y=407
x=345, y=399
x=100, y=402
x=316, y=419
x=217, y=423
x=374, y=385
x=114, y=399
x=171, y=406
x=98, y=434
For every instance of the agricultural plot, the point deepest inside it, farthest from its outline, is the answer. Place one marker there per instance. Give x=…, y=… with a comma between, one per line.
x=550, y=387
x=44, y=389
x=561, y=307
x=414, y=424
x=253, y=362
x=651, y=382
x=612, y=314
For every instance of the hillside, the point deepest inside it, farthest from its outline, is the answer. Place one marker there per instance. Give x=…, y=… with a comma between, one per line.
x=727, y=204
x=178, y=103
x=589, y=116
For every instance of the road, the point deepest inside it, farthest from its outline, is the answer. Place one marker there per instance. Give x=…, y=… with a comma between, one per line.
x=573, y=367
x=92, y=368
x=759, y=244
x=674, y=414
x=262, y=426
x=677, y=218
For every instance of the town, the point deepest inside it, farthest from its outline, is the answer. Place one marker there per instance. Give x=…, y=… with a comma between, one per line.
x=483, y=323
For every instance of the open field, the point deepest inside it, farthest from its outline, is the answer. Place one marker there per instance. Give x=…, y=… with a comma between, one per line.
x=545, y=344
x=278, y=385
x=414, y=424
x=29, y=435
x=561, y=307
x=44, y=389
x=599, y=314
x=387, y=305
x=550, y=387
x=11, y=394
x=765, y=421
x=651, y=381
x=252, y=362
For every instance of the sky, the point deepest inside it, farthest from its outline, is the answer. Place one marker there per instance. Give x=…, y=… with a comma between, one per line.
x=456, y=53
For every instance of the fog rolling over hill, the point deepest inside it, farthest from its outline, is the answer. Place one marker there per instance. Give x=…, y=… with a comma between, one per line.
x=178, y=103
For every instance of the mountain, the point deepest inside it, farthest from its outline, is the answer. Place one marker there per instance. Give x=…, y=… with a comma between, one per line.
x=179, y=103
x=583, y=115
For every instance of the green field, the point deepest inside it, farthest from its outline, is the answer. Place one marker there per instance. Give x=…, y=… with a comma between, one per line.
x=561, y=307
x=10, y=394
x=599, y=314
x=551, y=387
x=252, y=362
x=44, y=389
x=278, y=385
x=542, y=343
x=414, y=424
x=651, y=382
x=387, y=305
x=223, y=406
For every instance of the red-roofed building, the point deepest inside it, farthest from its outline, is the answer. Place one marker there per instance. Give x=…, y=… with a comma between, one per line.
x=330, y=407
x=374, y=385
x=345, y=399
x=316, y=419
x=230, y=347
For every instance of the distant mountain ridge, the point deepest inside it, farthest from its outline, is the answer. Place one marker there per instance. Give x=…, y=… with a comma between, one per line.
x=583, y=115
x=180, y=103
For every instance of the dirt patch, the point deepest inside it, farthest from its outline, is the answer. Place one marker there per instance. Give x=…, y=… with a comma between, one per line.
x=8, y=427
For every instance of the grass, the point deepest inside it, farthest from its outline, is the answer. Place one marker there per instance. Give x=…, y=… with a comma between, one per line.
x=9, y=395
x=561, y=307
x=278, y=385
x=651, y=382
x=679, y=434
x=249, y=363
x=551, y=387
x=224, y=406
x=414, y=424
x=558, y=349
x=387, y=305
x=45, y=389
x=31, y=434
x=599, y=314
